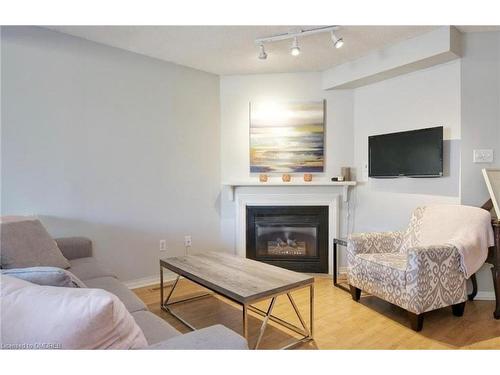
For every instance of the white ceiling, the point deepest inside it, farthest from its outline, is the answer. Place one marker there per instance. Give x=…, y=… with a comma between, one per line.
x=228, y=50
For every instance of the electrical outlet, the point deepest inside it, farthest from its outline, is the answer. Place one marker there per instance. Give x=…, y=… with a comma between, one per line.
x=187, y=241
x=482, y=156
x=163, y=245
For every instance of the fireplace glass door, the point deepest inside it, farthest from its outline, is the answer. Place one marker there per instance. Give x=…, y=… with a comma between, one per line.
x=293, y=237
x=286, y=240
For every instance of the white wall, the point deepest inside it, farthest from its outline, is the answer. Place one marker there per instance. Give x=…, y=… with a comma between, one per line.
x=111, y=145
x=236, y=94
x=480, y=92
x=420, y=99
x=480, y=110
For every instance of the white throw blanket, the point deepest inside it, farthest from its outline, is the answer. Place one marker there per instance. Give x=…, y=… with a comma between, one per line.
x=467, y=228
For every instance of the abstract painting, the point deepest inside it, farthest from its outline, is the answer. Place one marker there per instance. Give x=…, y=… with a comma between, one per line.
x=287, y=137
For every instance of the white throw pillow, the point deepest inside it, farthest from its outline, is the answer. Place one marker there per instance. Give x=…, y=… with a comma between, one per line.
x=47, y=317
x=50, y=276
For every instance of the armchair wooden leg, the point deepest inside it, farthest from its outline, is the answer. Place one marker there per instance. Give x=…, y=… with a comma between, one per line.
x=355, y=293
x=458, y=309
x=416, y=321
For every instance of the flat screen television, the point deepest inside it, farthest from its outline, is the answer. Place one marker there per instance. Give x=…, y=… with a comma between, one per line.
x=415, y=153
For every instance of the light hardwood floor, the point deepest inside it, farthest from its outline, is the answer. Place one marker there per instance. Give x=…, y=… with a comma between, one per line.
x=340, y=323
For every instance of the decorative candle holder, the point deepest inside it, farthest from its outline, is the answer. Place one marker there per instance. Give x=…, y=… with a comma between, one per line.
x=346, y=173
x=263, y=177
x=308, y=177
x=286, y=177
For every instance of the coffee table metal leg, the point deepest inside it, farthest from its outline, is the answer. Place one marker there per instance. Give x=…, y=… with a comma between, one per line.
x=165, y=302
x=311, y=310
x=245, y=322
x=165, y=305
x=306, y=330
x=335, y=263
x=161, y=286
x=281, y=322
x=264, y=323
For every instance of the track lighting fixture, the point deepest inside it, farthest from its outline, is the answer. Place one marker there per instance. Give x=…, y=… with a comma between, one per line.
x=294, y=35
x=337, y=42
x=295, y=50
x=262, y=54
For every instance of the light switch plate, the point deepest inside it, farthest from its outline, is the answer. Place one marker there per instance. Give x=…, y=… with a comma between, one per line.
x=163, y=245
x=482, y=156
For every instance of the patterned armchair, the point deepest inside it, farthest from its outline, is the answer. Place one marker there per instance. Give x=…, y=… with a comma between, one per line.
x=394, y=267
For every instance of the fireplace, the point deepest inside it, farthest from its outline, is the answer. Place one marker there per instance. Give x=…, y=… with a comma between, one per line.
x=292, y=237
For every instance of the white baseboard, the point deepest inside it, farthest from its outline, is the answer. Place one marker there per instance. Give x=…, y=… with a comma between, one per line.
x=485, y=296
x=143, y=281
x=150, y=280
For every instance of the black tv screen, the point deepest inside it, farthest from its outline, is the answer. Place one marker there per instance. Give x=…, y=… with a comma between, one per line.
x=415, y=153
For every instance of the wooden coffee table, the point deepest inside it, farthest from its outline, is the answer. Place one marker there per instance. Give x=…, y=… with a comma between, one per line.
x=245, y=282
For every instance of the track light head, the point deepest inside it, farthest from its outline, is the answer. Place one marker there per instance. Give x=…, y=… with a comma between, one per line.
x=337, y=42
x=262, y=53
x=296, y=33
x=295, y=50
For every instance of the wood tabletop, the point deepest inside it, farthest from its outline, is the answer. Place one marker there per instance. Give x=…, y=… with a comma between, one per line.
x=240, y=279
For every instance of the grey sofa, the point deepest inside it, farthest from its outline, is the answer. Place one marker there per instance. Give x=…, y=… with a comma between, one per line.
x=158, y=333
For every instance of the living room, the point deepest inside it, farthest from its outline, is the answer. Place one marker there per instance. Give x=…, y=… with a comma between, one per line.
x=249, y=186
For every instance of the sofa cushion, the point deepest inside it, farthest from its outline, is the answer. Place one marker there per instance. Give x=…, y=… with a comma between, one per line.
x=112, y=285
x=88, y=268
x=75, y=247
x=47, y=317
x=154, y=328
x=51, y=276
x=215, y=337
x=26, y=243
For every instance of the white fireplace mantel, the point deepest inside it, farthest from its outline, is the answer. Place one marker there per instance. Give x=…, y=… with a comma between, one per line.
x=232, y=185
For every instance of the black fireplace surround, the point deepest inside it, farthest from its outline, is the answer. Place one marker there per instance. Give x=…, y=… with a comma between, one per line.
x=292, y=237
